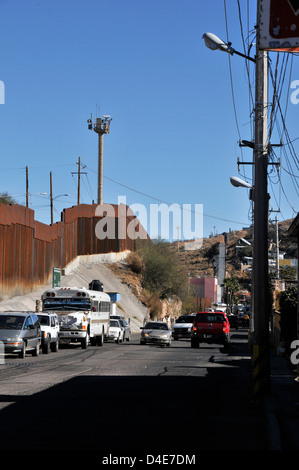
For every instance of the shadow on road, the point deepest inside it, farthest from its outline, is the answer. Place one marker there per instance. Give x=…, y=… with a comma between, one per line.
x=143, y=413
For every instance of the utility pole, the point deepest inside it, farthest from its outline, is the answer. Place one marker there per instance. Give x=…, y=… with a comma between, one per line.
x=277, y=250
x=101, y=127
x=261, y=356
x=51, y=197
x=27, y=188
x=79, y=180
x=79, y=173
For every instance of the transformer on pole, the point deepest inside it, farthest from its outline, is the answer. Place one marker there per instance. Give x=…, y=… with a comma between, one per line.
x=101, y=126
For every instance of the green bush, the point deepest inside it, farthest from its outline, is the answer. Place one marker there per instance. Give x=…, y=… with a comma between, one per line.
x=162, y=272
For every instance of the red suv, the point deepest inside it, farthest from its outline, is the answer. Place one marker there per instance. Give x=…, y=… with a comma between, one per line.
x=210, y=327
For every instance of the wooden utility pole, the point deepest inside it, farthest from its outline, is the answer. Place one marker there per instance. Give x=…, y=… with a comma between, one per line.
x=277, y=249
x=261, y=353
x=79, y=180
x=51, y=197
x=79, y=173
x=27, y=187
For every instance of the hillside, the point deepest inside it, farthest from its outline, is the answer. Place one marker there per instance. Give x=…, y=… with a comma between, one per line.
x=199, y=262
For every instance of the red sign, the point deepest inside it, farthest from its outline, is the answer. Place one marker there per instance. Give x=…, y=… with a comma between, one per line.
x=279, y=25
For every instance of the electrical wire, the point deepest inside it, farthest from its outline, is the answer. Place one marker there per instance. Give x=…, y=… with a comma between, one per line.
x=166, y=202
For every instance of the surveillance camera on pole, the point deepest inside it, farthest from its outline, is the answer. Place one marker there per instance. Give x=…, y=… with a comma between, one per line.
x=101, y=126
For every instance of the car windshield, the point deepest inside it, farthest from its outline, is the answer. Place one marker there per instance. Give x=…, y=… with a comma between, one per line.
x=11, y=322
x=44, y=320
x=114, y=323
x=186, y=319
x=210, y=318
x=156, y=326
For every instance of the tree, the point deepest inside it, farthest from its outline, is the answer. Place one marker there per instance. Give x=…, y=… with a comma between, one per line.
x=162, y=273
x=5, y=198
x=232, y=287
x=288, y=272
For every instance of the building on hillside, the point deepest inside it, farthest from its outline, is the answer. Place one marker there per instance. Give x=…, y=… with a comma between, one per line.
x=219, y=265
x=205, y=290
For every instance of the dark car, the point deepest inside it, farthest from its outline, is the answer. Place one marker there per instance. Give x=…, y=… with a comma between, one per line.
x=20, y=332
x=210, y=327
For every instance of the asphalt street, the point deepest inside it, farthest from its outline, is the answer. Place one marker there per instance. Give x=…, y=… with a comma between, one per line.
x=132, y=398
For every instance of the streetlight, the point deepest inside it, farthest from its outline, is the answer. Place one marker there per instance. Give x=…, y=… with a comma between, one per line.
x=214, y=43
x=261, y=347
x=239, y=183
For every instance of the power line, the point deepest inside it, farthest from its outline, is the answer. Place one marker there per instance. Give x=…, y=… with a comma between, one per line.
x=166, y=202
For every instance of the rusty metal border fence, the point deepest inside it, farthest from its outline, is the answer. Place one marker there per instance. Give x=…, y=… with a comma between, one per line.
x=30, y=249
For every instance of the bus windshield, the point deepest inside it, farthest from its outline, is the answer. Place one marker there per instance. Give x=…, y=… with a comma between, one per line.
x=55, y=303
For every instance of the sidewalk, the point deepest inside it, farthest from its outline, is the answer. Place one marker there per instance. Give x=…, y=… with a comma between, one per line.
x=282, y=406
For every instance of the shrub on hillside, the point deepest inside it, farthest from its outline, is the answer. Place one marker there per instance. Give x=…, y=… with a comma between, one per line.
x=135, y=262
x=162, y=273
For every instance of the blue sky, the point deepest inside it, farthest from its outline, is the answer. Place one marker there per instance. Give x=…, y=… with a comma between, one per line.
x=173, y=135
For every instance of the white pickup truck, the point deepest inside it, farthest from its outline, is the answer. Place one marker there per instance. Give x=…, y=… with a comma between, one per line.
x=183, y=326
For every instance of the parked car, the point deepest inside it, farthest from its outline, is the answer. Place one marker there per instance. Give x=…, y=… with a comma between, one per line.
x=156, y=332
x=125, y=325
x=20, y=332
x=210, y=327
x=183, y=326
x=127, y=329
x=116, y=332
x=234, y=320
x=50, y=331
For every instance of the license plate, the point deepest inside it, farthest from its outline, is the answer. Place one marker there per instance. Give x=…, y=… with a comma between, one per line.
x=208, y=336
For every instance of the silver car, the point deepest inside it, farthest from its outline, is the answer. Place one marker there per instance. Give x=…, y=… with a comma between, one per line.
x=20, y=332
x=156, y=332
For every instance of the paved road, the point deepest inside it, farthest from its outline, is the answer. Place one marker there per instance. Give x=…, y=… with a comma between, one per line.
x=132, y=398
